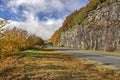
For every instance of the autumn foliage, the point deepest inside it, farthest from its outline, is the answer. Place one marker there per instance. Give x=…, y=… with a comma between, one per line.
x=76, y=18
x=55, y=37
x=14, y=40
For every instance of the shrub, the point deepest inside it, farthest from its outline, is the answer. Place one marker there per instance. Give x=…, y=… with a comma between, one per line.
x=14, y=40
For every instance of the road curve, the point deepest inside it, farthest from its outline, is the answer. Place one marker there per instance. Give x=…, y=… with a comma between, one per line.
x=106, y=59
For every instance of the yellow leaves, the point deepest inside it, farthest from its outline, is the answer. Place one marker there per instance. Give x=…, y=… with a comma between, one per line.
x=7, y=48
x=17, y=39
x=34, y=40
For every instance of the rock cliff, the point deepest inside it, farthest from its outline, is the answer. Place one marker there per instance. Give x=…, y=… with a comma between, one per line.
x=99, y=31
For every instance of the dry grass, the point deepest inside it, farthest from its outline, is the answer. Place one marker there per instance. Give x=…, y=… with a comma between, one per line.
x=52, y=65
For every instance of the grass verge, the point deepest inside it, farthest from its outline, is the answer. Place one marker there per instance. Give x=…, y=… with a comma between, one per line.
x=48, y=64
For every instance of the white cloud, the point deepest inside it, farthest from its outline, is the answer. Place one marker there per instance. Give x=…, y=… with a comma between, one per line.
x=47, y=5
x=42, y=29
x=32, y=7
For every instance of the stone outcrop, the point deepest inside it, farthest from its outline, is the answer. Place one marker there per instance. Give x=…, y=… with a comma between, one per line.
x=99, y=31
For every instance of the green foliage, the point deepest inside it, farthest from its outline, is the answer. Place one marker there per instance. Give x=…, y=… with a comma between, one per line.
x=93, y=5
x=83, y=13
x=81, y=16
x=69, y=21
x=78, y=16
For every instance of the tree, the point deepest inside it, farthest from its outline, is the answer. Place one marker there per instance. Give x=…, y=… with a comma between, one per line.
x=15, y=39
x=34, y=40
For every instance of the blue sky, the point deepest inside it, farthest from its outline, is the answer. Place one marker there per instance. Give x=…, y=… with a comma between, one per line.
x=41, y=17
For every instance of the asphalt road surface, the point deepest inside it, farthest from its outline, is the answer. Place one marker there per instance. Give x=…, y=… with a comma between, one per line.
x=106, y=59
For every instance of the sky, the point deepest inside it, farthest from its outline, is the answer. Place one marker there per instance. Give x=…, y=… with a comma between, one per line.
x=40, y=17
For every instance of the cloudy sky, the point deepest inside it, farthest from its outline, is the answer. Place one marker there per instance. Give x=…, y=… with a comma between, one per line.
x=41, y=17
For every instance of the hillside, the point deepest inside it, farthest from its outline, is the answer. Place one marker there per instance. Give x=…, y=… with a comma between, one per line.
x=96, y=27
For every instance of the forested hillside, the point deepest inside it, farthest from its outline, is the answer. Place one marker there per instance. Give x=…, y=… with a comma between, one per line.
x=95, y=26
x=76, y=18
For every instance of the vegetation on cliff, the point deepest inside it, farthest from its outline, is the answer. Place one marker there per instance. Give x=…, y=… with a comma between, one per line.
x=76, y=18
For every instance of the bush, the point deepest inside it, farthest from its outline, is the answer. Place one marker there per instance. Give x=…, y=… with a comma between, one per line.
x=14, y=40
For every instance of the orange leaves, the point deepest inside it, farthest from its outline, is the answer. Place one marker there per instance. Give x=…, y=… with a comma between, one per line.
x=56, y=36
x=76, y=18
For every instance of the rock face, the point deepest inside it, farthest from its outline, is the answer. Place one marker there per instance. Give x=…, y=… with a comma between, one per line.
x=99, y=31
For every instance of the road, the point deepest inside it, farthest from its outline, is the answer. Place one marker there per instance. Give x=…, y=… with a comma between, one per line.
x=106, y=59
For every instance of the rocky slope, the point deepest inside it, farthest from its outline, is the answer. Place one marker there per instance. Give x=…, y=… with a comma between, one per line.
x=99, y=31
